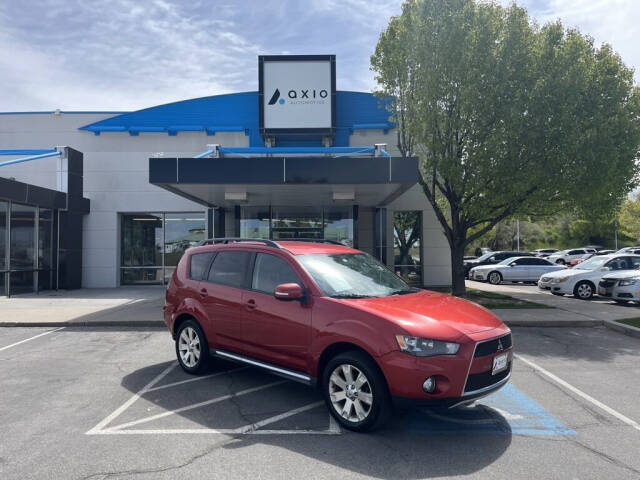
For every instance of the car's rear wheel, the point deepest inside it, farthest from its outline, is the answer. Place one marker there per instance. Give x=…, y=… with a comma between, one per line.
x=560, y=261
x=192, y=348
x=495, y=278
x=356, y=392
x=583, y=290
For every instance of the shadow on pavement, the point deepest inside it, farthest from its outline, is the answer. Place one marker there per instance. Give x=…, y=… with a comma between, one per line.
x=414, y=444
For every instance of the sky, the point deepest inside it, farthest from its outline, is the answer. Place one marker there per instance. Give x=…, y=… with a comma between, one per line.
x=120, y=55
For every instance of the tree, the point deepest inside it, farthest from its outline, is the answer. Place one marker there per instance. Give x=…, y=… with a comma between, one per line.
x=629, y=220
x=507, y=118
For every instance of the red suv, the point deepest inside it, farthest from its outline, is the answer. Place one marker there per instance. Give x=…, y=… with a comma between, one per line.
x=334, y=317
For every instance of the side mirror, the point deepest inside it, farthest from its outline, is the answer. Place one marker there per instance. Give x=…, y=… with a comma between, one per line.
x=288, y=292
x=512, y=264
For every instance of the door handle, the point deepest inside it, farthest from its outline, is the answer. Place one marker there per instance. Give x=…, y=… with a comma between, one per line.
x=251, y=304
x=203, y=292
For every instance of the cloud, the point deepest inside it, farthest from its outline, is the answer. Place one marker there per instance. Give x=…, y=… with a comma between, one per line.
x=130, y=54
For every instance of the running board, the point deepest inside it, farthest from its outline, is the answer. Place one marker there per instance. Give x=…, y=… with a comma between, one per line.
x=283, y=372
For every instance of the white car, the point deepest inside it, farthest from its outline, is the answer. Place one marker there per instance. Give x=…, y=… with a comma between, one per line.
x=582, y=280
x=514, y=269
x=621, y=287
x=565, y=256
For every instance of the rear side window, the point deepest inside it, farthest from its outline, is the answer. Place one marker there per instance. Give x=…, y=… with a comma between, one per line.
x=199, y=263
x=576, y=252
x=538, y=261
x=270, y=271
x=229, y=268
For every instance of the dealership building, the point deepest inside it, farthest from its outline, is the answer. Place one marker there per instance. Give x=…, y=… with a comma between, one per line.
x=102, y=199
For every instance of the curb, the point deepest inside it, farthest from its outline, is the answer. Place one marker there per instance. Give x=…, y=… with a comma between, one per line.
x=95, y=323
x=622, y=328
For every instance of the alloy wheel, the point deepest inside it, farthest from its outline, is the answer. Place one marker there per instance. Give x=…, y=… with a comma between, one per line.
x=189, y=347
x=494, y=278
x=350, y=393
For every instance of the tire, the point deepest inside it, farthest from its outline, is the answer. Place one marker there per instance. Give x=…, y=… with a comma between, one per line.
x=560, y=262
x=361, y=415
x=558, y=294
x=583, y=290
x=494, y=278
x=192, y=348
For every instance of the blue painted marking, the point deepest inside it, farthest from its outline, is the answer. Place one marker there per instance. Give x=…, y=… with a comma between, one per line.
x=508, y=411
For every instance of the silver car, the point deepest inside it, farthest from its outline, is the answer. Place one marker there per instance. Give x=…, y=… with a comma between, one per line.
x=514, y=269
x=622, y=287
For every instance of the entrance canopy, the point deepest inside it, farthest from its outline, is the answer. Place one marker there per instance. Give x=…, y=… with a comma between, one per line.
x=286, y=180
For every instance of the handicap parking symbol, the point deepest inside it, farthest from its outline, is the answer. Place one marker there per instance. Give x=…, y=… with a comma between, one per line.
x=508, y=411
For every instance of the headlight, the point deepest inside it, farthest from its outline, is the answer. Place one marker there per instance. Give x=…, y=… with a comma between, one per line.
x=627, y=282
x=559, y=280
x=425, y=347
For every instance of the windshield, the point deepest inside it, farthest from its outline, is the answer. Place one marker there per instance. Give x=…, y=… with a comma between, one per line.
x=592, y=263
x=485, y=256
x=352, y=275
x=507, y=261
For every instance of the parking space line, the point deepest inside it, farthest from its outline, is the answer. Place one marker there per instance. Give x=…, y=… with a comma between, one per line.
x=197, y=405
x=31, y=338
x=580, y=393
x=195, y=379
x=116, y=413
x=276, y=418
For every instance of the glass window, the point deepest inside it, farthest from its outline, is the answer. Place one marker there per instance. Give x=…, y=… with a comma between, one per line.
x=296, y=222
x=620, y=263
x=254, y=222
x=45, y=233
x=182, y=230
x=338, y=224
x=270, y=271
x=229, y=268
x=352, y=275
x=4, y=206
x=199, y=263
x=141, y=244
x=22, y=281
x=407, y=246
x=22, y=245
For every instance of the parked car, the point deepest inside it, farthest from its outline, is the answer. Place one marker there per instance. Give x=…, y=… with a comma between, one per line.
x=597, y=248
x=565, y=256
x=628, y=249
x=621, y=287
x=492, y=258
x=514, y=269
x=330, y=316
x=611, y=252
x=582, y=279
x=482, y=250
x=544, y=252
x=581, y=259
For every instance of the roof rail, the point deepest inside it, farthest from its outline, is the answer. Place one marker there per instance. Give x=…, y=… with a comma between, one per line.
x=225, y=240
x=314, y=240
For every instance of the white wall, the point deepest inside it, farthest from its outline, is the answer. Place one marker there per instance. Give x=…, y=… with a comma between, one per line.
x=116, y=176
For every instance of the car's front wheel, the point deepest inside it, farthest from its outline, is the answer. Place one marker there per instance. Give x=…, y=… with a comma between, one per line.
x=192, y=348
x=583, y=290
x=495, y=278
x=356, y=392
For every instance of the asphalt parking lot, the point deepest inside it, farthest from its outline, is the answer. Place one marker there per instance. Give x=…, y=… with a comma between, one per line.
x=112, y=403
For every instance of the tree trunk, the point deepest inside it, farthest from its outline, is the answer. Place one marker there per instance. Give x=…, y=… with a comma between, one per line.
x=457, y=270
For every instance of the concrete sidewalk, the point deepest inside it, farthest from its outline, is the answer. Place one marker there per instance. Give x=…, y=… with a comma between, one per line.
x=125, y=306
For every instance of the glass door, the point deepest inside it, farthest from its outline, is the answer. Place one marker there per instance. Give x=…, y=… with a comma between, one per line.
x=407, y=246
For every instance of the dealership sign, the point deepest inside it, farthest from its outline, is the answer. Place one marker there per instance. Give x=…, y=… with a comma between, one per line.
x=297, y=94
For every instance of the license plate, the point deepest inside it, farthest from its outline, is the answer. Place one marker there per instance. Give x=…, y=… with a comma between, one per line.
x=500, y=363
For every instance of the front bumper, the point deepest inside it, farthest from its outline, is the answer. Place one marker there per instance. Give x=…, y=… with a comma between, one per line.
x=478, y=275
x=616, y=292
x=460, y=378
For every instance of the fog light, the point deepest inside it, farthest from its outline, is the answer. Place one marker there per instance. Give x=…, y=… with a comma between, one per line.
x=429, y=385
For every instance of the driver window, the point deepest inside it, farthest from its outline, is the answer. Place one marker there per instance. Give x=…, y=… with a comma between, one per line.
x=270, y=271
x=635, y=263
x=618, y=264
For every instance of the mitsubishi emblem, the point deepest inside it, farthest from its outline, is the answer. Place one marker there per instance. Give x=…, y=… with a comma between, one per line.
x=500, y=347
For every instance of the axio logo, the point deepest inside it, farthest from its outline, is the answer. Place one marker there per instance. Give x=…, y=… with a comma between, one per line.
x=275, y=97
x=308, y=94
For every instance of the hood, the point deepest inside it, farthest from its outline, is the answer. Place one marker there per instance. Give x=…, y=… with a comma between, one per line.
x=620, y=274
x=430, y=314
x=488, y=267
x=565, y=272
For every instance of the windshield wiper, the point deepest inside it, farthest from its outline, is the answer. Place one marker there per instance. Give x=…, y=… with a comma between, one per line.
x=350, y=295
x=403, y=291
